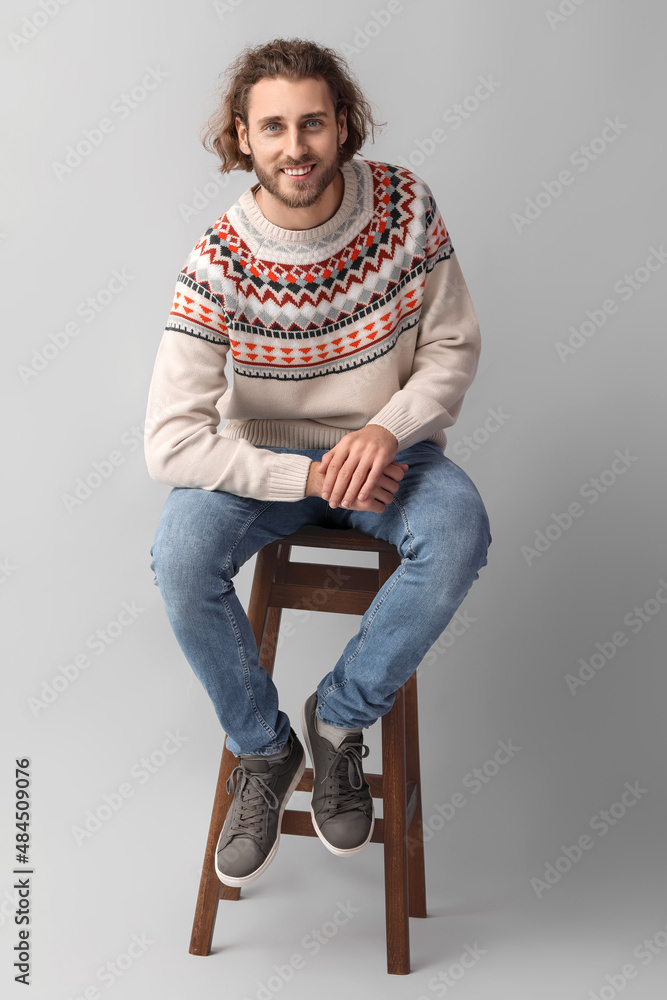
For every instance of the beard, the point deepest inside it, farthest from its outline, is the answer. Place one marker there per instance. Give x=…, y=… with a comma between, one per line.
x=307, y=192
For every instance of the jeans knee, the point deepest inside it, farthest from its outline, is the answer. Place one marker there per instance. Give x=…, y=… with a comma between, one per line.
x=480, y=530
x=183, y=575
x=456, y=548
x=469, y=518
x=477, y=538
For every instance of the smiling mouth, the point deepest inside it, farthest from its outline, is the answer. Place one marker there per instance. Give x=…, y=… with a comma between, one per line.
x=303, y=171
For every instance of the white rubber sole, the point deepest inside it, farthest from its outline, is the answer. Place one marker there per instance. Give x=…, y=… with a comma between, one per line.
x=246, y=879
x=338, y=851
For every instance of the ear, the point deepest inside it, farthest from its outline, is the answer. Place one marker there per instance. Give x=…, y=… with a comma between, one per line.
x=342, y=126
x=242, y=133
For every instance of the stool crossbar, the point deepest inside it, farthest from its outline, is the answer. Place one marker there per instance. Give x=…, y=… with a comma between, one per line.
x=278, y=583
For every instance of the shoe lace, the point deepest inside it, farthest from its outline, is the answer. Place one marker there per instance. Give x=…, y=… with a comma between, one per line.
x=346, y=777
x=251, y=796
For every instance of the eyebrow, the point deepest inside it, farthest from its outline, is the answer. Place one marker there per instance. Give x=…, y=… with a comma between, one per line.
x=280, y=118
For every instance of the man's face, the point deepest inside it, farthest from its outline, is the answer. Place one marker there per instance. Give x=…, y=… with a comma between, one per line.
x=292, y=124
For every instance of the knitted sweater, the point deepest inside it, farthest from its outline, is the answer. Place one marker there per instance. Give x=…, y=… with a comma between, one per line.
x=365, y=319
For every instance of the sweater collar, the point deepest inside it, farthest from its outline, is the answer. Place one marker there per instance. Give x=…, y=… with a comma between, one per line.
x=351, y=196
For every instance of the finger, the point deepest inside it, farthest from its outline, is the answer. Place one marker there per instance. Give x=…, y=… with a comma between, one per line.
x=337, y=481
x=377, y=472
x=357, y=481
x=376, y=504
x=336, y=460
x=385, y=490
x=350, y=478
x=394, y=472
x=325, y=461
x=387, y=483
x=354, y=473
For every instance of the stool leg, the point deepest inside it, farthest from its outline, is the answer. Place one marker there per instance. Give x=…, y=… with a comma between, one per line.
x=271, y=567
x=265, y=623
x=416, y=871
x=210, y=887
x=395, y=838
x=258, y=602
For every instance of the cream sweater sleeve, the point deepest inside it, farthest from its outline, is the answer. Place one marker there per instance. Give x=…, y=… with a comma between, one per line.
x=181, y=444
x=447, y=349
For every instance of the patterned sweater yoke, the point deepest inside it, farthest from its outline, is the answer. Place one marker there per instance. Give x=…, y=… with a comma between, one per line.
x=365, y=319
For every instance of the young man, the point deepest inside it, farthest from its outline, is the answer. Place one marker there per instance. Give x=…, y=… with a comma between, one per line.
x=334, y=286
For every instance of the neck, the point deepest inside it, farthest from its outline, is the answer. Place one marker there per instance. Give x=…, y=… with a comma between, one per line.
x=302, y=218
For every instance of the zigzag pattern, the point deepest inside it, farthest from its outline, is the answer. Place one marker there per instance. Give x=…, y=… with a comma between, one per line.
x=350, y=306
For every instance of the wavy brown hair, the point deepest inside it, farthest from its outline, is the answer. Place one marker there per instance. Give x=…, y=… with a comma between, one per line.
x=294, y=59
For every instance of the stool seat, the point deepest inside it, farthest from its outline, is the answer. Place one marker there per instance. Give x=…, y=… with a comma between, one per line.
x=279, y=582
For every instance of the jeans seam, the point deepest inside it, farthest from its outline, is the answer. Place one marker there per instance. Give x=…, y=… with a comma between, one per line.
x=406, y=523
x=237, y=632
x=242, y=532
x=246, y=672
x=362, y=638
x=378, y=605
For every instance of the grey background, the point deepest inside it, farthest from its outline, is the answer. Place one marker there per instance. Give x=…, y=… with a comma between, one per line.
x=66, y=573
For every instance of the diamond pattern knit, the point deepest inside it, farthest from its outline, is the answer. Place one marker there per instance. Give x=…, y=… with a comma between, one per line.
x=364, y=319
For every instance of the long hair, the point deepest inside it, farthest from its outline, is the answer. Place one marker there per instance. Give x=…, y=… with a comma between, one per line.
x=294, y=59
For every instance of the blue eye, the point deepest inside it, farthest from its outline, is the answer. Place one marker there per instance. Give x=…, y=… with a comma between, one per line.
x=275, y=125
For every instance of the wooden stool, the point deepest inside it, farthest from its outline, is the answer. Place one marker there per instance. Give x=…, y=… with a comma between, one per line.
x=280, y=583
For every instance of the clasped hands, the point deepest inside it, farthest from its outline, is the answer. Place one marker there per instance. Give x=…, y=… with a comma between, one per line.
x=359, y=472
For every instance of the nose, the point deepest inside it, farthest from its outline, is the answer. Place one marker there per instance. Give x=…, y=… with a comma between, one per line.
x=296, y=144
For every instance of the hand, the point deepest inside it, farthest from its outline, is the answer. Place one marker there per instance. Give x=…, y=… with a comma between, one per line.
x=381, y=494
x=353, y=467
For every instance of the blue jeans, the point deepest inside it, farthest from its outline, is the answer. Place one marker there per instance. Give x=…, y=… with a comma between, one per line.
x=439, y=525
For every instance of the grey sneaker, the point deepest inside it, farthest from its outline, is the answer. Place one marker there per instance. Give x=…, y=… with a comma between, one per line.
x=342, y=806
x=251, y=832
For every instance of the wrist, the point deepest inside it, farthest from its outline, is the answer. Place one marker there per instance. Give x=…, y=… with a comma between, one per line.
x=390, y=436
x=314, y=480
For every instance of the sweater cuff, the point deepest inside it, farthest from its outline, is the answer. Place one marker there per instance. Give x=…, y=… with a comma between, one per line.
x=408, y=427
x=288, y=478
